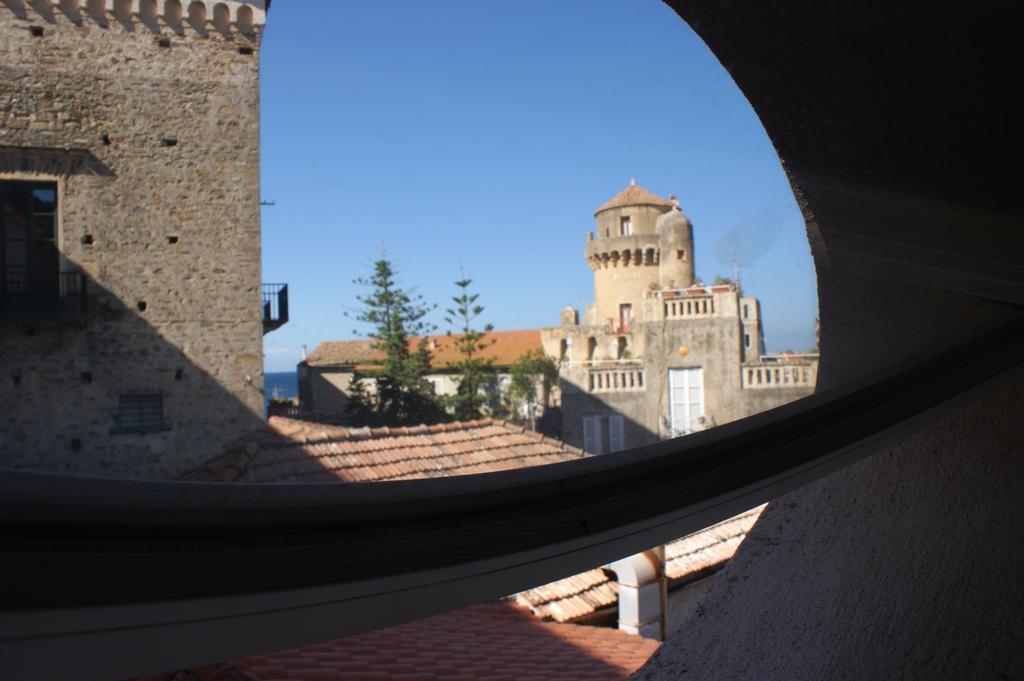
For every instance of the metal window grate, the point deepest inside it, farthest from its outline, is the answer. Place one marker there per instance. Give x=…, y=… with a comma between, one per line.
x=140, y=412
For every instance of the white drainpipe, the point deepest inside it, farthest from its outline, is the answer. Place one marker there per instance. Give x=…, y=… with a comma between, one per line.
x=642, y=593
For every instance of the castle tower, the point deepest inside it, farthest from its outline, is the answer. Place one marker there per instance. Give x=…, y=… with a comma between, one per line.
x=675, y=246
x=642, y=242
x=131, y=317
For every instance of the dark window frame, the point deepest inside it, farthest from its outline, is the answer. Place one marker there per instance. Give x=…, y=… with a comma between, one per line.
x=31, y=288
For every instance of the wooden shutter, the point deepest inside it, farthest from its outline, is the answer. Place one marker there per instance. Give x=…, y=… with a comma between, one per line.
x=591, y=435
x=615, y=439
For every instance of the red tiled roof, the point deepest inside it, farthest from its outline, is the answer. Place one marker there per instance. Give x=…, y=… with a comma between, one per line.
x=492, y=642
x=288, y=450
x=689, y=558
x=506, y=348
x=634, y=195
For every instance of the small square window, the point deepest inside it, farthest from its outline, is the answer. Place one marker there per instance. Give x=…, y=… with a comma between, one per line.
x=680, y=255
x=140, y=413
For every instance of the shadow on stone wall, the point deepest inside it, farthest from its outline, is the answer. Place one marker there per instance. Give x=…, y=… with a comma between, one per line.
x=62, y=380
x=577, y=404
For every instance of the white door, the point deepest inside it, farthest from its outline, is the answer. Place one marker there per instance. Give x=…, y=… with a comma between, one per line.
x=686, y=398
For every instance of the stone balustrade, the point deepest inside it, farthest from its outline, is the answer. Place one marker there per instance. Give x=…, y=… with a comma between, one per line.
x=779, y=375
x=626, y=379
x=691, y=307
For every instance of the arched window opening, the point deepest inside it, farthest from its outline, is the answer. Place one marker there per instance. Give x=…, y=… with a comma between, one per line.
x=640, y=382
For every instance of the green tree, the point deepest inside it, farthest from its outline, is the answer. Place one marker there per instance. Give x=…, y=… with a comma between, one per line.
x=402, y=395
x=531, y=371
x=473, y=370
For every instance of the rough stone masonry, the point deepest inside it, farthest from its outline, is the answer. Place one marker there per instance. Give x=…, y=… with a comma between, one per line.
x=145, y=116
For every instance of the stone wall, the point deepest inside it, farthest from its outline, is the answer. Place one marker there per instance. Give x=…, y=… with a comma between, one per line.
x=162, y=217
x=642, y=218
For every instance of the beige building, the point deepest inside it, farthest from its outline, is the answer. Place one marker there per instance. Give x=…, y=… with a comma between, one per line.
x=131, y=315
x=656, y=355
x=325, y=376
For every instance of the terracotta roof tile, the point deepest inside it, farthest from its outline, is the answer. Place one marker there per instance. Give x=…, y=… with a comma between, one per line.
x=303, y=451
x=634, y=195
x=686, y=559
x=507, y=347
x=493, y=642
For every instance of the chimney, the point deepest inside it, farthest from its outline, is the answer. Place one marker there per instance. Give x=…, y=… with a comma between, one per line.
x=642, y=593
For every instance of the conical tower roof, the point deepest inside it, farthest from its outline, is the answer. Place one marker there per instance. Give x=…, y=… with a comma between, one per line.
x=634, y=195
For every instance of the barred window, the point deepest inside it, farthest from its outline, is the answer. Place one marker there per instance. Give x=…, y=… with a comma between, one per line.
x=138, y=413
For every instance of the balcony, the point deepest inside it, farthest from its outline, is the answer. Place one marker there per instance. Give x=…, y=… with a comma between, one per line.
x=624, y=379
x=41, y=300
x=775, y=374
x=275, y=306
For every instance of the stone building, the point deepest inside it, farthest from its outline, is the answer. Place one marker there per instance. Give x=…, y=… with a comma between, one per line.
x=131, y=317
x=657, y=355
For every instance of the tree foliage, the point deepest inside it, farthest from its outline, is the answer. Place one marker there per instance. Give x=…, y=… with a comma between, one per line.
x=473, y=371
x=399, y=394
x=532, y=371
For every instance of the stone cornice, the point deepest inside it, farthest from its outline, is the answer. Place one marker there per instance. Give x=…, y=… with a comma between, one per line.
x=47, y=161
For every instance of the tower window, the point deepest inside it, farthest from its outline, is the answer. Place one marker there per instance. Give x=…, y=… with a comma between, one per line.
x=140, y=413
x=680, y=255
x=746, y=339
x=625, y=226
x=29, y=262
x=746, y=311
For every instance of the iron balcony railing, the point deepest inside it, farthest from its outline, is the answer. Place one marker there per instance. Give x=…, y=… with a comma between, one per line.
x=275, y=306
x=57, y=299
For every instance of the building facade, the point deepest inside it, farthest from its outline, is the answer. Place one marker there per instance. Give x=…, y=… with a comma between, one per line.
x=657, y=355
x=131, y=316
x=325, y=376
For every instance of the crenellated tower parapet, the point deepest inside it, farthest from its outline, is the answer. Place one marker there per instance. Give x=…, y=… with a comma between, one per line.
x=639, y=250
x=246, y=17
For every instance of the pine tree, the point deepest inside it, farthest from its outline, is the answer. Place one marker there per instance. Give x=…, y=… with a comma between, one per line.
x=473, y=370
x=403, y=395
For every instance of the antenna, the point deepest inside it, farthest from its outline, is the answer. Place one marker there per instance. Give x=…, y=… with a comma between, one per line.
x=268, y=203
x=744, y=244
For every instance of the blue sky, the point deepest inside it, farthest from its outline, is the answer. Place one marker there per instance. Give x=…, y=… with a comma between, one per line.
x=483, y=135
